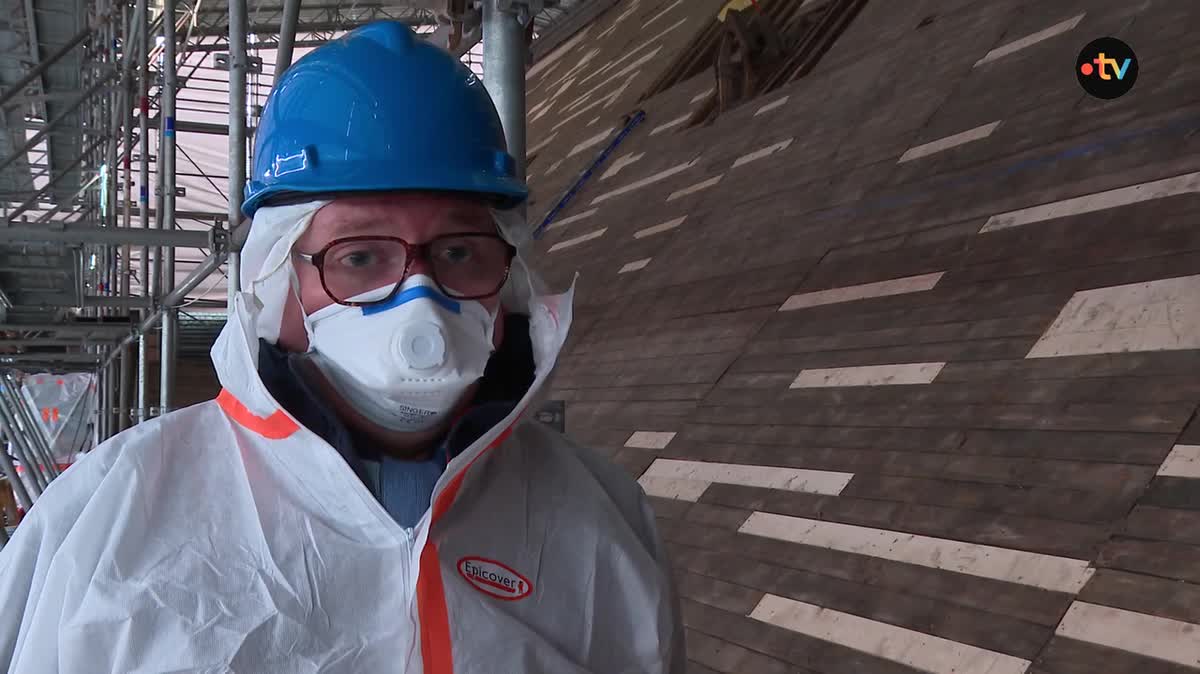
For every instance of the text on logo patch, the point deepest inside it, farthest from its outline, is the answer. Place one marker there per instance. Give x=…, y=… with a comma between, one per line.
x=492, y=577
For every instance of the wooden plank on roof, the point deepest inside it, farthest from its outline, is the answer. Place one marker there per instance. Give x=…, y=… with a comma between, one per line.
x=822, y=656
x=1181, y=493
x=934, y=616
x=709, y=547
x=1158, y=558
x=1151, y=595
x=1068, y=656
x=1043, y=536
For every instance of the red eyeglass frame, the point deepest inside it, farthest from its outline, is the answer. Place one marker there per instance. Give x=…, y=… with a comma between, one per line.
x=411, y=252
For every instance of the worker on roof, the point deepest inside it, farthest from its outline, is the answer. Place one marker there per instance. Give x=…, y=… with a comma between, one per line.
x=367, y=493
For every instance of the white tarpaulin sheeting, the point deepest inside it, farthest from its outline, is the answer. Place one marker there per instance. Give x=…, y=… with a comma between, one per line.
x=64, y=404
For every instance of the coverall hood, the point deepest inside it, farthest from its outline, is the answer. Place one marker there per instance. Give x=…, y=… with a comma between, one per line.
x=265, y=285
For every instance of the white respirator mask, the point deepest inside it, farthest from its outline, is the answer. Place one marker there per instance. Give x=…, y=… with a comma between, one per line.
x=404, y=364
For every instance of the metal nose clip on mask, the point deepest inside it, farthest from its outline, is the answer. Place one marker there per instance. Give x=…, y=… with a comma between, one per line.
x=404, y=364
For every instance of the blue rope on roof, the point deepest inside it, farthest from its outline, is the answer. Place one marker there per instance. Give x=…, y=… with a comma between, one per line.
x=633, y=120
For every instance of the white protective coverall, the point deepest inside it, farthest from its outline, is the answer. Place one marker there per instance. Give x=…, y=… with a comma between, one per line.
x=226, y=537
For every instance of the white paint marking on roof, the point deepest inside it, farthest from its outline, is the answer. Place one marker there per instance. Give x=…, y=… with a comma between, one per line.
x=670, y=124
x=826, y=482
x=636, y=265
x=925, y=652
x=661, y=14
x=606, y=100
x=1030, y=40
x=692, y=189
x=633, y=52
x=1159, y=638
x=1183, y=461
x=1090, y=203
x=898, y=286
x=943, y=144
x=607, y=82
x=583, y=238
x=620, y=163
x=620, y=91
x=553, y=57
x=590, y=142
x=680, y=490
x=659, y=229
x=544, y=142
x=572, y=219
x=1049, y=572
x=648, y=180
x=1162, y=315
x=628, y=10
x=650, y=439
x=869, y=375
x=771, y=106
x=762, y=153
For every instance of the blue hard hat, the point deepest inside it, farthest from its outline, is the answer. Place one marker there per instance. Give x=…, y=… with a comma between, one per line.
x=380, y=110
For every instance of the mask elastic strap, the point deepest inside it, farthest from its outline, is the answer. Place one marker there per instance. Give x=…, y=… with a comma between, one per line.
x=294, y=288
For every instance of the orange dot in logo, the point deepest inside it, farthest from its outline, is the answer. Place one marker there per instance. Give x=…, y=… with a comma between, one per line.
x=1086, y=69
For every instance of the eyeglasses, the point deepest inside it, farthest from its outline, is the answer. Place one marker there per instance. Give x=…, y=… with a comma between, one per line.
x=359, y=271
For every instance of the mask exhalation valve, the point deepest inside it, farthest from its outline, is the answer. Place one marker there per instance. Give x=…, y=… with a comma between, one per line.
x=422, y=345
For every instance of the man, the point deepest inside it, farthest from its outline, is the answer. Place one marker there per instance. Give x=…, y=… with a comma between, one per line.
x=363, y=495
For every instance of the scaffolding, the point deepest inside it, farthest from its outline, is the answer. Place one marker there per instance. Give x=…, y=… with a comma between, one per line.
x=107, y=243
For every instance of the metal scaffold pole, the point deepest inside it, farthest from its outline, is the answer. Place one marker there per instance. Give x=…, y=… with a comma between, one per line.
x=102, y=420
x=166, y=166
x=143, y=196
x=22, y=448
x=237, y=141
x=287, y=37
x=25, y=410
x=112, y=104
x=33, y=200
x=19, y=86
x=504, y=55
x=131, y=44
x=10, y=470
x=57, y=122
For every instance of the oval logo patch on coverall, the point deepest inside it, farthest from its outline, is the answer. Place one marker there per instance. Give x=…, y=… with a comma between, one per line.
x=493, y=578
